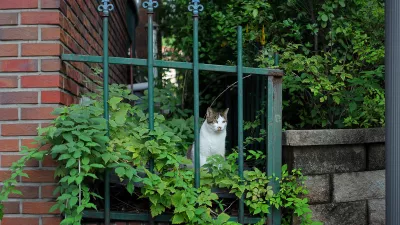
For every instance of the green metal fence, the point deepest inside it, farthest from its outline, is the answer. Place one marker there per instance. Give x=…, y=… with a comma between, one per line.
x=271, y=87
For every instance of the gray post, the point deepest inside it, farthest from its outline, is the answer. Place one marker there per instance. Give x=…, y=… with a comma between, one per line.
x=392, y=86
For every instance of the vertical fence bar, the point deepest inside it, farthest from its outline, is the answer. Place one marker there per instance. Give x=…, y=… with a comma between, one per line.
x=196, y=99
x=106, y=7
x=150, y=5
x=276, y=59
x=240, y=116
x=196, y=7
x=263, y=101
x=274, y=144
x=257, y=102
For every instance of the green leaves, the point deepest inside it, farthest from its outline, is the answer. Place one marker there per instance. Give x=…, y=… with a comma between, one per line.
x=83, y=152
x=324, y=17
x=255, y=13
x=114, y=102
x=178, y=219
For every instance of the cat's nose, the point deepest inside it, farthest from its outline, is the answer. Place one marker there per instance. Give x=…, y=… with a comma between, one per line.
x=219, y=128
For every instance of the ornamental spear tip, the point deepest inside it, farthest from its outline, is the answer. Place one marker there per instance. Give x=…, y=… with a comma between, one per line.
x=150, y=5
x=196, y=7
x=105, y=7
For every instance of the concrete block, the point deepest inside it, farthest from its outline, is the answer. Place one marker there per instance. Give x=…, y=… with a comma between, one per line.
x=376, y=156
x=329, y=159
x=333, y=137
x=354, y=213
x=376, y=211
x=358, y=186
x=319, y=188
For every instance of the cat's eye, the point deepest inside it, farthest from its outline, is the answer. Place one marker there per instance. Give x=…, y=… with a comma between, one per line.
x=223, y=121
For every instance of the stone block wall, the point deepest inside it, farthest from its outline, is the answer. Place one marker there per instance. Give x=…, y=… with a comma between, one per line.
x=345, y=171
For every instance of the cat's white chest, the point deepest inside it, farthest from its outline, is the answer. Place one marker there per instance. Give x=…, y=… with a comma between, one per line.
x=211, y=143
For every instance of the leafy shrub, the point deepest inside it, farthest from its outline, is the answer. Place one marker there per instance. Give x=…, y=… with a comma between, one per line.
x=80, y=145
x=332, y=53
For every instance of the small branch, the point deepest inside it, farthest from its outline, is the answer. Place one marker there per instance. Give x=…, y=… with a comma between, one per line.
x=212, y=82
x=215, y=214
x=230, y=205
x=227, y=89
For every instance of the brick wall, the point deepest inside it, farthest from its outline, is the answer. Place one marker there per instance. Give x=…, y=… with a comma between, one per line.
x=33, y=81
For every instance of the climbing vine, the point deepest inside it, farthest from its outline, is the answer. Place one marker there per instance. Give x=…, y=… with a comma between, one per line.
x=80, y=145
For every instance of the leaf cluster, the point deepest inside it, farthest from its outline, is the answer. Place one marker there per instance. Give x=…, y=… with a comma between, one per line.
x=332, y=53
x=84, y=149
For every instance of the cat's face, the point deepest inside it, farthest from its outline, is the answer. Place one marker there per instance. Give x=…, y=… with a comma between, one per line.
x=217, y=121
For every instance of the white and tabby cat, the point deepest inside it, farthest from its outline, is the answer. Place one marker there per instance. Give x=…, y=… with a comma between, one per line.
x=212, y=136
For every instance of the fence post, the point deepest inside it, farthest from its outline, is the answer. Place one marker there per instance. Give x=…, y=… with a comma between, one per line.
x=274, y=144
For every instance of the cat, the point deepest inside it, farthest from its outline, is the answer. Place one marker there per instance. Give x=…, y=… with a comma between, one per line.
x=212, y=136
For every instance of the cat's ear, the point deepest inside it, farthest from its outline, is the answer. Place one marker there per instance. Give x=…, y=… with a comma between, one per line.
x=210, y=112
x=226, y=112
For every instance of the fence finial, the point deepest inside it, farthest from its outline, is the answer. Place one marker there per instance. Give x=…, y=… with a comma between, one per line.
x=105, y=7
x=150, y=5
x=196, y=7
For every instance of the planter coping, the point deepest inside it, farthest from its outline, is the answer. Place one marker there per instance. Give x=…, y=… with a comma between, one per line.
x=333, y=136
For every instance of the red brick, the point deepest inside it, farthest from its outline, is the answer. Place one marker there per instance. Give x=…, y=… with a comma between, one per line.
x=40, y=49
x=51, y=220
x=39, y=176
x=19, y=33
x=49, y=65
x=11, y=207
x=11, y=145
x=50, y=33
x=4, y=175
x=28, y=192
x=42, y=17
x=41, y=81
x=8, y=160
x=71, y=86
x=50, y=4
x=8, y=82
x=38, y=207
x=51, y=96
x=37, y=113
x=19, y=4
x=30, y=143
x=18, y=97
x=19, y=129
x=8, y=18
x=57, y=97
x=8, y=50
x=8, y=114
x=19, y=221
x=19, y=65
x=48, y=161
x=48, y=190
x=43, y=125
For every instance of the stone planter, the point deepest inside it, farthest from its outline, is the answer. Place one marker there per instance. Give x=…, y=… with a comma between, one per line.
x=345, y=171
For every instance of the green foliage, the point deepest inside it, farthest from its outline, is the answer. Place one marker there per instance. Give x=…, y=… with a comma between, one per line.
x=83, y=150
x=332, y=53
